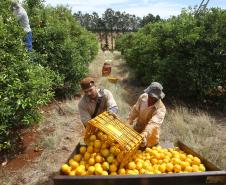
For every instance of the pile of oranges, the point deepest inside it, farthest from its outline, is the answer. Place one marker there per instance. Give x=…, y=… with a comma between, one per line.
x=101, y=157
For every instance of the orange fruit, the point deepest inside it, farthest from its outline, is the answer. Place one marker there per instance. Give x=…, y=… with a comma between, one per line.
x=195, y=168
x=65, y=169
x=82, y=150
x=98, y=170
x=202, y=168
x=87, y=156
x=91, y=161
x=139, y=165
x=73, y=164
x=104, y=173
x=105, y=165
x=92, y=138
x=91, y=170
x=110, y=158
x=71, y=173
x=90, y=149
x=131, y=165
x=77, y=157
x=162, y=168
x=113, y=173
x=169, y=167
x=121, y=171
x=188, y=169
x=196, y=161
x=154, y=161
x=99, y=134
x=97, y=143
x=79, y=170
x=104, y=137
x=98, y=159
x=177, y=168
x=105, y=152
x=113, y=168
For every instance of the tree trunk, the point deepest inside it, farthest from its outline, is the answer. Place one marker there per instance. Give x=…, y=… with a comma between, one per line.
x=112, y=46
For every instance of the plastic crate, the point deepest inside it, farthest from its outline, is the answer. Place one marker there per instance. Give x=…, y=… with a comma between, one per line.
x=128, y=139
x=113, y=79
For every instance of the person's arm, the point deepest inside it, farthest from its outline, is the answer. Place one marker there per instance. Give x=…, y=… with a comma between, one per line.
x=154, y=123
x=133, y=114
x=84, y=114
x=111, y=104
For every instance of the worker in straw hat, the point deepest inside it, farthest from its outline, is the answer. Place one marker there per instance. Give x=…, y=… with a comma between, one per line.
x=95, y=101
x=149, y=112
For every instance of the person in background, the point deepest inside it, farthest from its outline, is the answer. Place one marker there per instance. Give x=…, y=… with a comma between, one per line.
x=149, y=112
x=95, y=101
x=21, y=15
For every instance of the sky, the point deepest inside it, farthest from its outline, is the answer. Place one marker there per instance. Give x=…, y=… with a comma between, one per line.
x=164, y=8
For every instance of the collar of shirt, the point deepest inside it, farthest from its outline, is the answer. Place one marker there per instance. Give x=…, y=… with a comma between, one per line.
x=156, y=105
x=99, y=95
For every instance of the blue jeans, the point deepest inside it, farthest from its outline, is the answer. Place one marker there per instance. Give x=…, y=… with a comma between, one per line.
x=28, y=41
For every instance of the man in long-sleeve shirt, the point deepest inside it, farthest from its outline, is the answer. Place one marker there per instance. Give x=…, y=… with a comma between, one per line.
x=149, y=111
x=95, y=101
x=22, y=17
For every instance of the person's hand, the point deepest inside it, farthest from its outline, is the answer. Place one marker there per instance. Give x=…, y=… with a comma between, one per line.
x=112, y=114
x=144, y=140
x=130, y=122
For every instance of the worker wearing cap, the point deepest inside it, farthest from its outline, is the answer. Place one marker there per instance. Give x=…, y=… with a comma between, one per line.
x=95, y=101
x=149, y=112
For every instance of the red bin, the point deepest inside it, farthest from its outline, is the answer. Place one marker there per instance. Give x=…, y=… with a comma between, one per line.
x=106, y=70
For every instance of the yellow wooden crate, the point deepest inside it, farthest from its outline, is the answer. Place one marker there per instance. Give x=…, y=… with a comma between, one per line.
x=128, y=139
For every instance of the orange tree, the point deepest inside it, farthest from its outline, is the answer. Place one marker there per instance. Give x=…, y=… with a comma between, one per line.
x=67, y=48
x=24, y=85
x=186, y=53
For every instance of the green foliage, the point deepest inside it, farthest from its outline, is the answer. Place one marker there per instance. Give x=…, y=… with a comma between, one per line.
x=66, y=47
x=110, y=21
x=62, y=51
x=185, y=53
x=24, y=85
x=149, y=19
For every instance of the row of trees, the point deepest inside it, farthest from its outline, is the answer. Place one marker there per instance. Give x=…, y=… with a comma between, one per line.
x=113, y=22
x=62, y=51
x=185, y=53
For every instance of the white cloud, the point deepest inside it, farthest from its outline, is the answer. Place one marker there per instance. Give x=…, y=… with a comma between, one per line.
x=165, y=10
x=93, y=3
